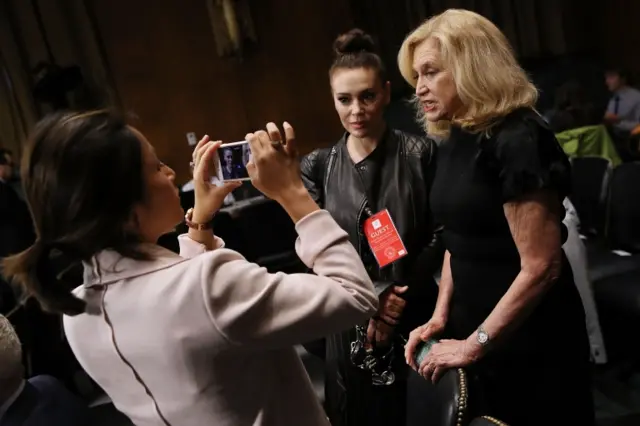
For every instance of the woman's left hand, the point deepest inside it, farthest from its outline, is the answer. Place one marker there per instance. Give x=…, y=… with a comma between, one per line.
x=208, y=196
x=448, y=354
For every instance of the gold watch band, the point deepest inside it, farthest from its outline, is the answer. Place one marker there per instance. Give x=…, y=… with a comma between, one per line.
x=192, y=225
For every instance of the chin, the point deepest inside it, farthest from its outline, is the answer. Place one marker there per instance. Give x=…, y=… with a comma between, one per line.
x=360, y=133
x=435, y=116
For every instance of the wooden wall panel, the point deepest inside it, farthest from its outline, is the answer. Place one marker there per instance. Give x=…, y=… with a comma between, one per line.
x=287, y=77
x=166, y=71
x=616, y=25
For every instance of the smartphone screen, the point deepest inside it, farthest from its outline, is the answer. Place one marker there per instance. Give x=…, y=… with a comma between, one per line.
x=232, y=159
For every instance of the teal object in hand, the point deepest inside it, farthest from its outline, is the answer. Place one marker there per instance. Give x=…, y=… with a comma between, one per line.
x=422, y=350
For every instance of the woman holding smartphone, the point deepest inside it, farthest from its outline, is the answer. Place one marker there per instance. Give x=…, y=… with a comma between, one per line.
x=199, y=338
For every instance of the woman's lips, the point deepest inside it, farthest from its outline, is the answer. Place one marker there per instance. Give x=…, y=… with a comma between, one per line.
x=429, y=106
x=358, y=125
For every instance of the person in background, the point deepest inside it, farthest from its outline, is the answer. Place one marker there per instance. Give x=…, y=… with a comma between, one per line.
x=370, y=169
x=508, y=309
x=39, y=401
x=198, y=338
x=572, y=109
x=623, y=109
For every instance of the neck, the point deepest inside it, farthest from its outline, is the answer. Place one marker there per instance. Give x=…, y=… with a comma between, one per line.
x=360, y=148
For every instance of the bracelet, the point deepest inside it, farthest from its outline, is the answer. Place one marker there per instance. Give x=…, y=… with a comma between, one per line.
x=192, y=225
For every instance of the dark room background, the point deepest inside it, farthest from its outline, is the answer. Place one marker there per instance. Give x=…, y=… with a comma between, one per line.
x=159, y=60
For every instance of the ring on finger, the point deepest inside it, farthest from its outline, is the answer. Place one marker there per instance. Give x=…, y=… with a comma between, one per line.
x=276, y=143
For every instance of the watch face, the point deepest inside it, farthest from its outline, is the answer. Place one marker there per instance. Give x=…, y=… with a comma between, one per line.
x=483, y=337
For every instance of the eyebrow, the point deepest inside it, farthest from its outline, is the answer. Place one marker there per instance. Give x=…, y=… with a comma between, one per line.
x=368, y=89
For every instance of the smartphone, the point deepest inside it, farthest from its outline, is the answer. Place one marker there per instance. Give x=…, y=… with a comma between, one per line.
x=231, y=161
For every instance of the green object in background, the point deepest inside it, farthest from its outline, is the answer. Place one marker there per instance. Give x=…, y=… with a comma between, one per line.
x=589, y=141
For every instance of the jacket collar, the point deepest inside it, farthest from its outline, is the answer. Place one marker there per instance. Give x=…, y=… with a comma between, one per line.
x=109, y=266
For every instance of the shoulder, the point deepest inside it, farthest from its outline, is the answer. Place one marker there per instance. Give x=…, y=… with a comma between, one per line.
x=50, y=386
x=309, y=161
x=415, y=145
x=528, y=154
x=522, y=123
x=633, y=92
x=525, y=134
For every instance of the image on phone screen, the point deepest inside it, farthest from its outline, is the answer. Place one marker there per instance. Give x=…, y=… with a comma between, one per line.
x=232, y=161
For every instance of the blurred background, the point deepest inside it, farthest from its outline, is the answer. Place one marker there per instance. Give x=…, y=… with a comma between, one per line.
x=226, y=67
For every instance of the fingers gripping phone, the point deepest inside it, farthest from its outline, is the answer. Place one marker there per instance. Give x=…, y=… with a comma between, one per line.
x=231, y=161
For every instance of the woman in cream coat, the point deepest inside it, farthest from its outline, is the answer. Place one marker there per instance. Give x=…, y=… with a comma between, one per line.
x=201, y=338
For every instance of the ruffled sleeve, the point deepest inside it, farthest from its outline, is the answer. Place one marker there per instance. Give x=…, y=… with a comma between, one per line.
x=529, y=158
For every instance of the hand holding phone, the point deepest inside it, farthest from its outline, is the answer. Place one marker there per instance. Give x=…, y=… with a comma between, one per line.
x=274, y=168
x=208, y=197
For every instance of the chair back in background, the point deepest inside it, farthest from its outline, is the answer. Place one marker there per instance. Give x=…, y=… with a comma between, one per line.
x=623, y=221
x=487, y=421
x=443, y=404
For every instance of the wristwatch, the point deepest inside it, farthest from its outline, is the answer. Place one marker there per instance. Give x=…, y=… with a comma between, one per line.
x=482, y=336
x=197, y=226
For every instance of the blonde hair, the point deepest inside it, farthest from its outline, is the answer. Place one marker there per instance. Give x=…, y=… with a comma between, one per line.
x=488, y=78
x=11, y=369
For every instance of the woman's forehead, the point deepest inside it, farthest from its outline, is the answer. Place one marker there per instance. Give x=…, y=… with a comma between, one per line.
x=426, y=53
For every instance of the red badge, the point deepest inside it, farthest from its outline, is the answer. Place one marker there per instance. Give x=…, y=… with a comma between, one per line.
x=383, y=238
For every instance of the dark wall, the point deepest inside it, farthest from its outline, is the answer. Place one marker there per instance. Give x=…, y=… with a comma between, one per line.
x=166, y=70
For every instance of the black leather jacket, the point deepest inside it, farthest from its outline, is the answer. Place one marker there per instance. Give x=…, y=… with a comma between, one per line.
x=406, y=168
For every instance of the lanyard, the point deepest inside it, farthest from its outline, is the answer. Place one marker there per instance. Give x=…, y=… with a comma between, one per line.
x=371, y=191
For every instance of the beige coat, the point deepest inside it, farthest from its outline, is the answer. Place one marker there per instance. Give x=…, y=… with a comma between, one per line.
x=206, y=339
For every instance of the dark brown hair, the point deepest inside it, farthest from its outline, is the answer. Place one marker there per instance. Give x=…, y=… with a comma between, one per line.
x=82, y=176
x=357, y=49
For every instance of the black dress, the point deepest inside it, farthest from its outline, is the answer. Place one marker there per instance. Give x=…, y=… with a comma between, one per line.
x=540, y=374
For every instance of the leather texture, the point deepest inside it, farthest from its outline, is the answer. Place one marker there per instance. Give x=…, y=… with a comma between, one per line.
x=406, y=173
x=486, y=421
x=442, y=404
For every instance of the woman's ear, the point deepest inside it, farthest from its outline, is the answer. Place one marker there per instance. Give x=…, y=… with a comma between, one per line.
x=133, y=224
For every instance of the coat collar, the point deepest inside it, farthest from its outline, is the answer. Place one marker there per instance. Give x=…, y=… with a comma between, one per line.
x=109, y=266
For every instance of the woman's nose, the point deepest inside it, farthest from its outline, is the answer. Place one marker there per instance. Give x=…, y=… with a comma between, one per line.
x=171, y=173
x=357, y=108
x=421, y=87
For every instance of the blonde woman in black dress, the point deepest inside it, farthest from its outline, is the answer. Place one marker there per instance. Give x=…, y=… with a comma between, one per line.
x=507, y=308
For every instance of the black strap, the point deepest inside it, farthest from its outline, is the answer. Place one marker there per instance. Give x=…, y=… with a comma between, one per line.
x=371, y=196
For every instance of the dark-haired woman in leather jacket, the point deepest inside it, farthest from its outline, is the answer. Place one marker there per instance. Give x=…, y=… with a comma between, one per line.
x=370, y=169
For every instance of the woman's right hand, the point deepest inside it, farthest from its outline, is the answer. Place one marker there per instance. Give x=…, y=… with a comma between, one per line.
x=431, y=329
x=274, y=168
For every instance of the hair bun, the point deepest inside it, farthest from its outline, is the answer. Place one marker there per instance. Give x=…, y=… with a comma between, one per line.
x=354, y=41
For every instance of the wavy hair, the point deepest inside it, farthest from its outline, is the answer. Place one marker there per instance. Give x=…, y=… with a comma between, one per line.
x=487, y=76
x=82, y=176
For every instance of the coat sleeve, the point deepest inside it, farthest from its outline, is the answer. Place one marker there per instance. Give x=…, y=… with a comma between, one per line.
x=311, y=178
x=430, y=259
x=250, y=306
